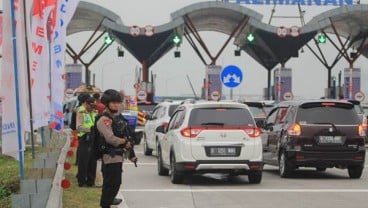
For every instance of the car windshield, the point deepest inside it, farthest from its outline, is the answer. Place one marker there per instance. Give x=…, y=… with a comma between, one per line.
x=322, y=114
x=172, y=109
x=221, y=117
x=365, y=110
x=258, y=112
x=359, y=109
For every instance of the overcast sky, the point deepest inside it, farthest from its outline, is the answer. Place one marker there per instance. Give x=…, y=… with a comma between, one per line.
x=171, y=72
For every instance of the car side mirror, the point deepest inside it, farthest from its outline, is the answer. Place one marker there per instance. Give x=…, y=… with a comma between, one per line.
x=148, y=117
x=162, y=128
x=268, y=126
x=260, y=123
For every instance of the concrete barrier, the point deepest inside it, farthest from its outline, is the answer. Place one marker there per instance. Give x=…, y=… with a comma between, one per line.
x=43, y=188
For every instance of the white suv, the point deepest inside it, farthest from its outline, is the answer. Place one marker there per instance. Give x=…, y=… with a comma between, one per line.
x=160, y=115
x=210, y=137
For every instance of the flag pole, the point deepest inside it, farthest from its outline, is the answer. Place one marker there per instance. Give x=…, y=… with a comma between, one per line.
x=29, y=79
x=16, y=85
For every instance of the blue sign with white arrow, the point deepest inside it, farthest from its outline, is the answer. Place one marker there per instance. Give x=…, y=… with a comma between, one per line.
x=231, y=76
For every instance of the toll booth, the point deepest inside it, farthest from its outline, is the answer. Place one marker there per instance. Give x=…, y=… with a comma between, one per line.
x=353, y=75
x=283, y=84
x=213, y=85
x=73, y=76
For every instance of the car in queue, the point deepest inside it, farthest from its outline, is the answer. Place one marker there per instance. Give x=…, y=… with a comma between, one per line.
x=314, y=133
x=160, y=115
x=210, y=137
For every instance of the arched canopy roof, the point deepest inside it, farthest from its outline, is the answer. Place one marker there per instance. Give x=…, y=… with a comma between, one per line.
x=88, y=17
x=350, y=21
x=268, y=49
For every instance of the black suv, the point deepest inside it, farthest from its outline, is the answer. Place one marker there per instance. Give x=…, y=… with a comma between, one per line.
x=314, y=133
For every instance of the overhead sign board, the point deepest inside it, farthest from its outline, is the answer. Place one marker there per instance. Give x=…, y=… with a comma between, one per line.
x=294, y=31
x=293, y=2
x=134, y=31
x=149, y=30
x=231, y=76
x=282, y=31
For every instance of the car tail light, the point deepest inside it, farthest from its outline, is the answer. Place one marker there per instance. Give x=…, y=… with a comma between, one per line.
x=252, y=132
x=359, y=157
x=361, y=130
x=295, y=130
x=191, y=132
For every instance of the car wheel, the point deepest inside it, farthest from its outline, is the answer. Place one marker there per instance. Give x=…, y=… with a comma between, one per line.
x=146, y=149
x=321, y=169
x=175, y=176
x=255, y=177
x=355, y=171
x=284, y=168
x=162, y=171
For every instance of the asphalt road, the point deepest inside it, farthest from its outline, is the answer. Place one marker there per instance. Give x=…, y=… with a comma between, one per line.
x=142, y=187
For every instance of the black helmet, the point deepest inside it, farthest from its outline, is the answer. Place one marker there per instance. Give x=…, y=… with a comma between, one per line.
x=110, y=95
x=83, y=97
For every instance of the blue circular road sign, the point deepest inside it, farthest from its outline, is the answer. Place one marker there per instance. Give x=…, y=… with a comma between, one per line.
x=231, y=76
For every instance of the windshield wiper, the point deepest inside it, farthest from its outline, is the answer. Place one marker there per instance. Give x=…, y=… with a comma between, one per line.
x=212, y=124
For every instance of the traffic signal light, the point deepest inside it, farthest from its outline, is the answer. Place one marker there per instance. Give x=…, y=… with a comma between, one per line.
x=322, y=38
x=108, y=40
x=249, y=38
x=176, y=39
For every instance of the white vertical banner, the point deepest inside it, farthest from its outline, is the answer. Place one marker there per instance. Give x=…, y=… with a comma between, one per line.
x=1, y=29
x=65, y=11
x=10, y=131
x=40, y=62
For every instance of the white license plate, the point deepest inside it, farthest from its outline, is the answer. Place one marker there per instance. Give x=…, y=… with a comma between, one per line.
x=222, y=151
x=330, y=139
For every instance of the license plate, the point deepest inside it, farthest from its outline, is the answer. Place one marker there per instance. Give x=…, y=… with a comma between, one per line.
x=222, y=151
x=330, y=139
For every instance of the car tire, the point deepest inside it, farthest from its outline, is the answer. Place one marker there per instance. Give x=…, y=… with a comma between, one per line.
x=175, y=176
x=355, y=171
x=284, y=168
x=146, y=150
x=162, y=171
x=255, y=177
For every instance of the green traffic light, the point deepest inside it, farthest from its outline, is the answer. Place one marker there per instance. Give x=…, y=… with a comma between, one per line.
x=176, y=39
x=322, y=38
x=108, y=40
x=250, y=37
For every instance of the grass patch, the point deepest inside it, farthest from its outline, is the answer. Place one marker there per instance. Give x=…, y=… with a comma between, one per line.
x=9, y=177
x=72, y=197
x=76, y=196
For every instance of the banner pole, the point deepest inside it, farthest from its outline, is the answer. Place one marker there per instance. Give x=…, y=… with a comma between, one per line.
x=29, y=79
x=16, y=85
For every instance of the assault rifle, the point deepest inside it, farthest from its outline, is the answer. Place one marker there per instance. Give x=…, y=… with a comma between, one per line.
x=121, y=128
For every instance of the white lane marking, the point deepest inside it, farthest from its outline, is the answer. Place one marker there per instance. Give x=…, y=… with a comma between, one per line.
x=123, y=203
x=252, y=190
x=267, y=167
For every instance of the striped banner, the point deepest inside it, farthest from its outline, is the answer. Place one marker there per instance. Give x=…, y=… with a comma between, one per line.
x=40, y=61
x=64, y=13
x=14, y=81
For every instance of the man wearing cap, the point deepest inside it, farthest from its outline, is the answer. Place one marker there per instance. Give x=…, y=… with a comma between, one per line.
x=86, y=116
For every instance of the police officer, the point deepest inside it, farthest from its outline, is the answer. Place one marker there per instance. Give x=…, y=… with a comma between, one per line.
x=112, y=160
x=86, y=162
